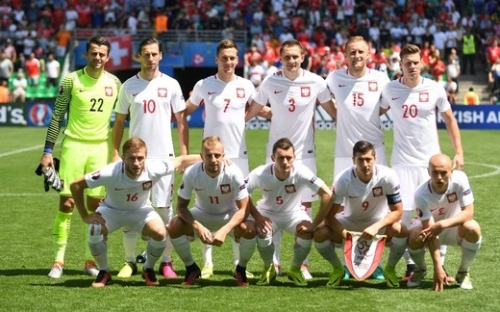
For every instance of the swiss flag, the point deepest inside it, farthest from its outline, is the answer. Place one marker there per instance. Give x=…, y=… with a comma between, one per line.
x=121, y=53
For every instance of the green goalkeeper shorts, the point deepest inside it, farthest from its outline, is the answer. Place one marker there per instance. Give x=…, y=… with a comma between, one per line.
x=79, y=158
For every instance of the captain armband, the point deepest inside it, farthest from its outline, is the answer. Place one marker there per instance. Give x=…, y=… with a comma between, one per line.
x=394, y=199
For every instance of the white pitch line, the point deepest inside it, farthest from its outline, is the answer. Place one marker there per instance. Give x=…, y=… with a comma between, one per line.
x=485, y=175
x=21, y=150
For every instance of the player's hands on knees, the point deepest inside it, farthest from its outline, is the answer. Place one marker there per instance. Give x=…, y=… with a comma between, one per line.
x=94, y=218
x=264, y=226
x=439, y=279
x=218, y=238
x=433, y=231
x=304, y=229
x=205, y=235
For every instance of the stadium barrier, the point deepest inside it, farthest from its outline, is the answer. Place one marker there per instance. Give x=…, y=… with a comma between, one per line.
x=37, y=113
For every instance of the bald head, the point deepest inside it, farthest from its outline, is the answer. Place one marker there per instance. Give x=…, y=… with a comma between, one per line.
x=440, y=169
x=440, y=160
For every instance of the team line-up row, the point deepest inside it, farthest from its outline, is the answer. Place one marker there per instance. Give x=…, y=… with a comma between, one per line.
x=355, y=97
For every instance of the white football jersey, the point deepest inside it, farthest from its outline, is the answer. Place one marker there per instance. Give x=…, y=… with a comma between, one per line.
x=124, y=193
x=366, y=201
x=225, y=104
x=446, y=205
x=151, y=105
x=358, y=106
x=414, y=120
x=293, y=105
x=214, y=195
x=282, y=196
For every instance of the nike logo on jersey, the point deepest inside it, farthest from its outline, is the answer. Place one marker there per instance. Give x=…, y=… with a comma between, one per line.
x=210, y=93
x=277, y=91
x=341, y=85
x=134, y=94
x=81, y=90
x=266, y=190
x=198, y=189
x=395, y=98
x=118, y=189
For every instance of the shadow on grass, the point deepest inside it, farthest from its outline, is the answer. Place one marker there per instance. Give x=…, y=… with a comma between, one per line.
x=36, y=272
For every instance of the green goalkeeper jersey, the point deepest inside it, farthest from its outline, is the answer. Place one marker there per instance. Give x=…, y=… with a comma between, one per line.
x=88, y=102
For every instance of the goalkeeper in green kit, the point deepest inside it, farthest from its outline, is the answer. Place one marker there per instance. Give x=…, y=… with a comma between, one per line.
x=88, y=96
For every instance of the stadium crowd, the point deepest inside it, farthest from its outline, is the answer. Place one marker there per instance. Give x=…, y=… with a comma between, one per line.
x=453, y=34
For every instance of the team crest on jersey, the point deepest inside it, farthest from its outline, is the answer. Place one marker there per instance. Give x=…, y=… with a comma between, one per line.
x=423, y=97
x=467, y=191
x=162, y=92
x=305, y=91
x=225, y=188
x=146, y=186
x=452, y=197
x=290, y=188
x=240, y=93
x=108, y=91
x=313, y=180
x=372, y=86
x=377, y=191
x=95, y=175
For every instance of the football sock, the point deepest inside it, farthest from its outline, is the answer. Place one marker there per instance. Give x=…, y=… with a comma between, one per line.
x=397, y=248
x=301, y=250
x=277, y=247
x=418, y=255
x=183, y=248
x=469, y=252
x=166, y=215
x=327, y=250
x=154, y=250
x=265, y=247
x=442, y=252
x=60, y=233
x=98, y=247
x=246, y=249
x=130, y=244
x=206, y=250
x=236, y=251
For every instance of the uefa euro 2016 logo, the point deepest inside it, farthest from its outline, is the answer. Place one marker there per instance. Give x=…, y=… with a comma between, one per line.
x=40, y=114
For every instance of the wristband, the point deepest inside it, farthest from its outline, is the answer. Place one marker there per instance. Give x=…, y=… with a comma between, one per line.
x=47, y=150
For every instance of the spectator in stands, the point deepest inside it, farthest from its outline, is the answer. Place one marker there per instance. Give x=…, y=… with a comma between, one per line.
x=84, y=14
x=132, y=23
x=4, y=92
x=97, y=16
x=63, y=38
x=19, y=85
x=468, y=51
x=493, y=52
x=58, y=16
x=33, y=68
x=451, y=88
x=10, y=51
x=71, y=17
x=471, y=97
x=53, y=70
x=6, y=67
x=453, y=67
x=494, y=78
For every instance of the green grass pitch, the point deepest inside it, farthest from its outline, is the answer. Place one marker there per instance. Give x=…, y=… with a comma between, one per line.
x=26, y=251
